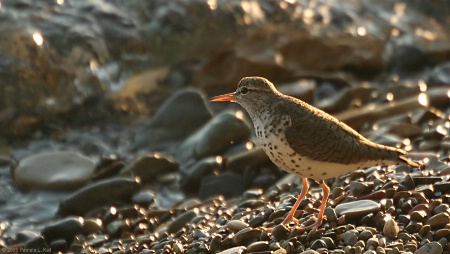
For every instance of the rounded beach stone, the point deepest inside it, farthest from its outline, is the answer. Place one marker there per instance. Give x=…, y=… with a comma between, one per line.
x=53, y=170
x=357, y=208
x=99, y=194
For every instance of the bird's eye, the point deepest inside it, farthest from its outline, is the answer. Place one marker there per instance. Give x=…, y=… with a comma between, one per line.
x=244, y=90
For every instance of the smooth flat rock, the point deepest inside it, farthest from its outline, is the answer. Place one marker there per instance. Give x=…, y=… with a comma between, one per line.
x=148, y=167
x=53, y=170
x=433, y=247
x=357, y=208
x=221, y=132
x=99, y=194
x=180, y=115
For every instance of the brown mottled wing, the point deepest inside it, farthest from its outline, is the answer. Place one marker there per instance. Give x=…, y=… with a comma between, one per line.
x=319, y=136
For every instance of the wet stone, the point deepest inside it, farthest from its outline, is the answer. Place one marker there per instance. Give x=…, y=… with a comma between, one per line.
x=179, y=116
x=180, y=221
x=246, y=236
x=53, y=170
x=91, y=226
x=150, y=166
x=224, y=130
x=98, y=194
x=59, y=245
x=258, y=246
x=357, y=208
x=193, y=175
x=66, y=229
x=36, y=243
x=227, y=184
x=143, y=197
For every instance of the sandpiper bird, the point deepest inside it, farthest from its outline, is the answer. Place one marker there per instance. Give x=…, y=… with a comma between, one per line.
x=306, y=141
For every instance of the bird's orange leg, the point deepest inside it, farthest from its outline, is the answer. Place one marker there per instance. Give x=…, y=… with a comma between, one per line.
x=326, y=193
x=302, y=195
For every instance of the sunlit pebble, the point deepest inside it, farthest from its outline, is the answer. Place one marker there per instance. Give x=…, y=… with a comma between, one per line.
x=137, y=179
x=423, y=99
x=447, y=124
x=406, y=141
x=448, y=93
x=113, y=210
x=361, y=31
x=440, y=129
x=390, y=96
x=219, y=159
x=429, y=35
x=408, y=148
x=426, y=160
x=38, y=39
x=308, y=15
x=239, y=114
x=422, y=86
x=99, y=222
x=212, y=4
x=395, y=32
x=375, y=127
x=249, y=145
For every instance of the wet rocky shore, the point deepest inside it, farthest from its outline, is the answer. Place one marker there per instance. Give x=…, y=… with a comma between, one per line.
x=133, y=158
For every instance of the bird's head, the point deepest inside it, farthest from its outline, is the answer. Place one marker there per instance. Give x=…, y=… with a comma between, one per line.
x=250, y=92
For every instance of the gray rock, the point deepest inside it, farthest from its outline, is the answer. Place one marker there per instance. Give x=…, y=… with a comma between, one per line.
x=433, y=247
x=350, y=237
x=53, y=170
x=179, y=116
x=150, y=166
x=357, y=208
x=181, y=220
x=226, y=184
x=193, y=175
x=98, y=194
x=65, y=229
x=220, y=133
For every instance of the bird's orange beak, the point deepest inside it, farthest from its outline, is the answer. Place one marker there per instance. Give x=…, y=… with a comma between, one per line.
x=224, y=97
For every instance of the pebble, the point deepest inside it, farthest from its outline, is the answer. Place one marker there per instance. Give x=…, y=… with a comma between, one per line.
x=438, y=220
x=391, y=228
x=258, y=246
x=246, y=236
x=53, y=170
x=192, y=176
x=181, y=220
x=148, y=167
x=234, y=250
x=350, y=237
x=224, y=130
x=227, y=184
x=236, y=225
x=180, y=115
x=430, y=248
x=98, y=194
x=65, y=229
x=357, y=208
